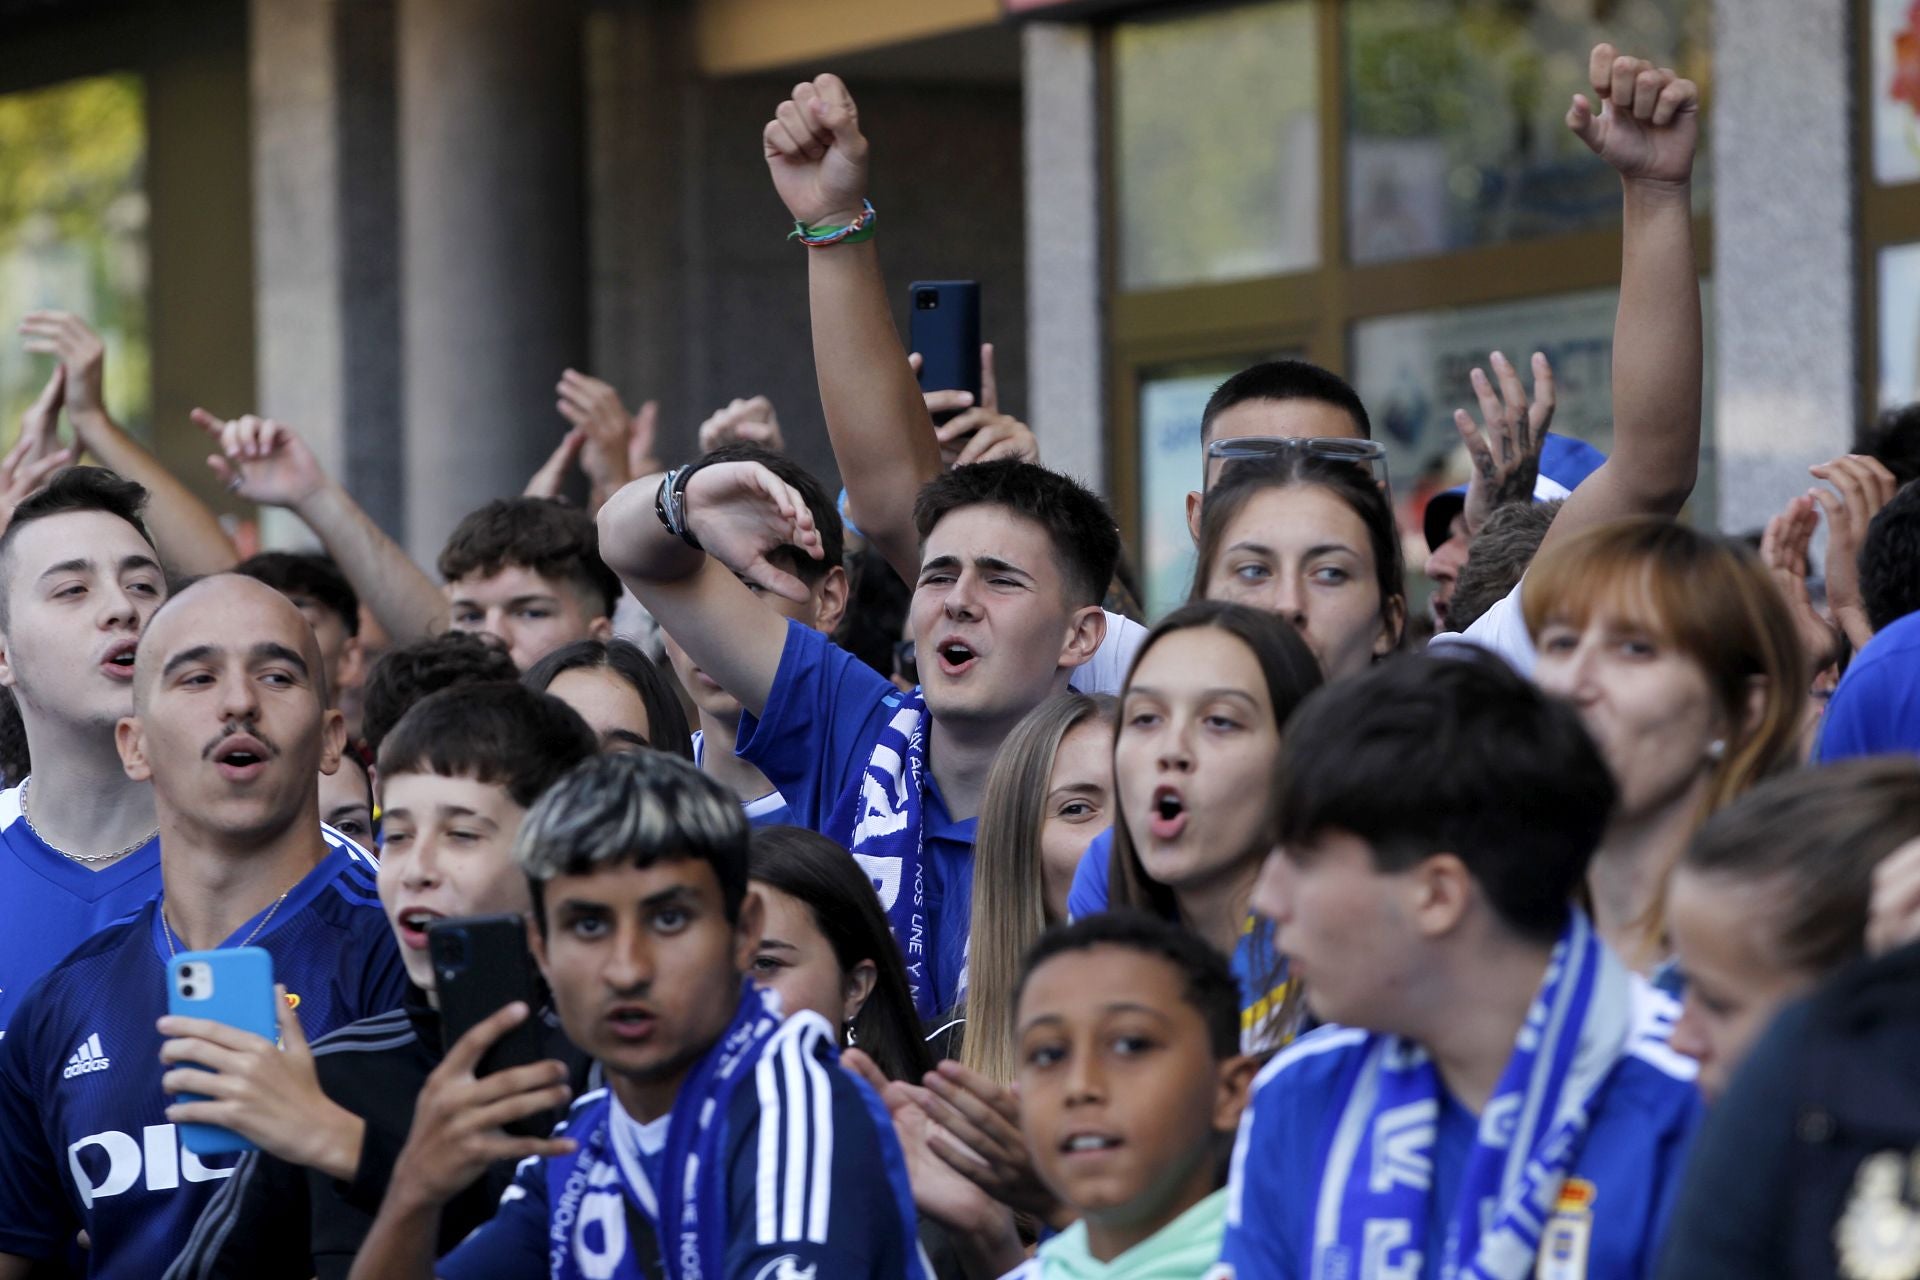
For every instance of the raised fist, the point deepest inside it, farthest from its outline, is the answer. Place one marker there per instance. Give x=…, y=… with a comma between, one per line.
x=817, y=154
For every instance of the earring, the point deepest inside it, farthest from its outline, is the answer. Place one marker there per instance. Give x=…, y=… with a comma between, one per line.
x=1717, y=749
x=851, y=1042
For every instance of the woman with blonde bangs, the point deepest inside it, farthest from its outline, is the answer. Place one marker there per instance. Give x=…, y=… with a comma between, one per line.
x=1049, y=794
x=1684, y=664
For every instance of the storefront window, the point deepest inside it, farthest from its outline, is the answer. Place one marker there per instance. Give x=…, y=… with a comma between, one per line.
x=1411, y=371
x=1456, y=132
x=1899, y=325
x=1172, y=398
x=1896, y=91
x=73, y=231
x=1216, y=126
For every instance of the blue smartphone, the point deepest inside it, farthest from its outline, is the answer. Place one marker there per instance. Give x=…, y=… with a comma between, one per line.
x=234, y=987
x=944, y=325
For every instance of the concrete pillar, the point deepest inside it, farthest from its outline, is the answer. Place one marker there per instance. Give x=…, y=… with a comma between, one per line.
x=326, y=223
x=645, y=238
x=1785, y=308
x=492, y=246
x=1065, y=334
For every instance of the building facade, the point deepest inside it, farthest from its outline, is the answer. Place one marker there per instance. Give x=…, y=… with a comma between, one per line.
x=394, y=222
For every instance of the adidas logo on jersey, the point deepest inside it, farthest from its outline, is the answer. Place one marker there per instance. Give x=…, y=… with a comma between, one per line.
x=88, y=1057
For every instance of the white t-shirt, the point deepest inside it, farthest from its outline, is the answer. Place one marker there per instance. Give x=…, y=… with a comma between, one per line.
x=1106, y=671
x=1502, y=629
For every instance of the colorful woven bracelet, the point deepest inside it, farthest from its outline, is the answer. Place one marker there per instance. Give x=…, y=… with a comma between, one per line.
x=861, y=228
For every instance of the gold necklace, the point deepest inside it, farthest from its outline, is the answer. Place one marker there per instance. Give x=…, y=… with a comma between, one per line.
x=76, y=857
x=167, y=929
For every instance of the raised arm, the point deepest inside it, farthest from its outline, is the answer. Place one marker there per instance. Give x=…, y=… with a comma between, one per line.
x=186, y=530
x=741, y=513
x=882, y=435
x=1647, y=126
x=267, y=462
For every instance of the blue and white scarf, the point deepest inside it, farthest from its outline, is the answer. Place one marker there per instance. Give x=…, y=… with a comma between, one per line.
x=882, y=819
x=1371, y=1217
x=683, y=1190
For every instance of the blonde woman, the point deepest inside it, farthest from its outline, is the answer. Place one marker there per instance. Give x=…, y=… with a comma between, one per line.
x=1049, y=794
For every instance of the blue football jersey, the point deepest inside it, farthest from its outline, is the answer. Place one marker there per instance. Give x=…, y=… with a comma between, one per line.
x=1612, y=1212
x=815, y=1184
x=50, y=904
x=84, y=1139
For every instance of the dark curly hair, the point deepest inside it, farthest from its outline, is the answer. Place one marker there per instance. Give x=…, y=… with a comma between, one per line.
x=545, y=535
x=408, y=674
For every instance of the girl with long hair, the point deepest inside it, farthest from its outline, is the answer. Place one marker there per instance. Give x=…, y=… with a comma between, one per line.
x=1773, y=896
x=1049, y=794
x=1679, y=653
x=1313, y=540
x=618, y=691
x=827, y=947
x=1194, y=752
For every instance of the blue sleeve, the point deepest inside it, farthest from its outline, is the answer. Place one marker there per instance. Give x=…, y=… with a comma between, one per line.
x=513, y=1243
x=35, y=1216
x=818, y=726
x=1272, y=1182
x=855, y=1224
x=1088, y=896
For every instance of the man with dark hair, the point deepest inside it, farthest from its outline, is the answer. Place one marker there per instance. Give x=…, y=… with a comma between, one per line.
x=231, y=727
x=1498, y=558
x=327, y=600
x=457, y=775
x=1278, y=399
x=727, y=1142
x=1014, y=562
x=1890, y=560
x=527, y=572
x=79, y=579
x=1894, y=439
x=822, y=609
x=413, y=671
x=1493, y=1085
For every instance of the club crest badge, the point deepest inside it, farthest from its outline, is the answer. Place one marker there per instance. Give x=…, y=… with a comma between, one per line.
x=1568, y=1239
x=1878, y=1235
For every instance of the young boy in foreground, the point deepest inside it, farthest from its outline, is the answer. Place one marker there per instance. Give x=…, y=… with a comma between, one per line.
x=727, y=1145
x=1131, y=1083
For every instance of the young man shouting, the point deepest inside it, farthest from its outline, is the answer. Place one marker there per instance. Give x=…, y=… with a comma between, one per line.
x=1015, y=560
x=230, y=724
x=1494, y=1096
x=79, y=579
x=728, y=1144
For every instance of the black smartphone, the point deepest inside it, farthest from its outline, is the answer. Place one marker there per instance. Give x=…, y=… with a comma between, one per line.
x=944, y=326
x=481, y=965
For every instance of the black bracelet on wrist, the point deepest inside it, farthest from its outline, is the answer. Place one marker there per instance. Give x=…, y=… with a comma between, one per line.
x=670, y=504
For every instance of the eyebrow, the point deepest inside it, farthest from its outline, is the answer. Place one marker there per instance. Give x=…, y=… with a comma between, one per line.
x=268, y=651
x=627, y=736
x=992, y=564
x=1078, y=789
x=775, y=944
x=82, y=564
x=1117, y=1006
x=513, y=603
x=1141, y=690
x=1317, y=550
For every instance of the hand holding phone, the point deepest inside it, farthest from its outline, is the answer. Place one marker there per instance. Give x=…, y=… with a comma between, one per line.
x=233, y=987
x=480, y=966
x=944, y=328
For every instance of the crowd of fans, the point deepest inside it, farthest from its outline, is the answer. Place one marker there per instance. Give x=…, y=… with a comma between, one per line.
x=902, y=906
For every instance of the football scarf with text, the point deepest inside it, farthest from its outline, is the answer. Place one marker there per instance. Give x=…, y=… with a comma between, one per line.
x=882, y=818
x=1373, y=1201
x=683, y=1190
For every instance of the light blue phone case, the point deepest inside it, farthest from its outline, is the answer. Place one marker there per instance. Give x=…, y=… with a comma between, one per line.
x=234, y=987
